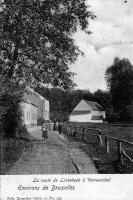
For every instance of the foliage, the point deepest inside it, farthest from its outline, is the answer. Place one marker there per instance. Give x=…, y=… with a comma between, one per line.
x=10, y=115
x=63, y=102
x=11, y=150
x=106, y=163
x=22, y=132
x=87, y=95
x=36, y=39
x=119, y=77
x=40, y=121
x=59, y=116
x=103, y=98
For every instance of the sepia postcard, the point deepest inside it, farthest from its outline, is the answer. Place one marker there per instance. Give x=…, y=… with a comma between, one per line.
x=66, y=99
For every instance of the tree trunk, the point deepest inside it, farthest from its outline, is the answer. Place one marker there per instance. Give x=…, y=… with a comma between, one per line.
x=14, y=59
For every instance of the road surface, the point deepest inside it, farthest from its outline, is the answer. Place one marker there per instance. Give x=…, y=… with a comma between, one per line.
x=58, y=155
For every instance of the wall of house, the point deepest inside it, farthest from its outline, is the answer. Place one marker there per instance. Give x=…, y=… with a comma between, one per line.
x=47, y=107
x=98, y=113
x=80, y=118
x=98, y=116
x=45, y=110
x=84, y=112
x=29, y=113
x=94, y=116
x=33, y=97
x=84, y=118
x=41, y=103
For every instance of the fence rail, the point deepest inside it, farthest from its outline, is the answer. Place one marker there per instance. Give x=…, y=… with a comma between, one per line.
x=104, y=140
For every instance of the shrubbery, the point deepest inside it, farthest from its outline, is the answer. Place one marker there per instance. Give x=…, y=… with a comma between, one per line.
x=10, y=151
x=123, y=116
x=10, y=113
x=40, y=121
x=59, y=116
x=14, y=135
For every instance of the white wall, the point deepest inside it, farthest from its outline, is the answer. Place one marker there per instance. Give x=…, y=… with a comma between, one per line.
x=80, y=118
x=46, y=110
x=98, y=113
x=39, y=101
x=29, y=113
x=87, y=117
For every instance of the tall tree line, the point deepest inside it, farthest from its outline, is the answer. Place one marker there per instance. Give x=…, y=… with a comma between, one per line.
x=36, y=41
x=36, y=46
x=63, y=102
x=119, y=77
x=117, y=100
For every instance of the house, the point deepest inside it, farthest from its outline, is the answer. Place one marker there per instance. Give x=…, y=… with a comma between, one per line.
x=87, y=111
x=34, y=106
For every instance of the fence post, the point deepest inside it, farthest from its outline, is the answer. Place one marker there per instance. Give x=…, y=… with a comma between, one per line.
x=120, y=152
x=62, y=128
x=100, y=138
x=83, y=134
x=67, y=128
x=107, y=144
x=73, y=134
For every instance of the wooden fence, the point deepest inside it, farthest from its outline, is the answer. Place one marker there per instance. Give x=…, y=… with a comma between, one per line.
x=104, y=141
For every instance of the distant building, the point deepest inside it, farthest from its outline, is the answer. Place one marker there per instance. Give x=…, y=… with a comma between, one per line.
x=87, y=111
x=34, y=106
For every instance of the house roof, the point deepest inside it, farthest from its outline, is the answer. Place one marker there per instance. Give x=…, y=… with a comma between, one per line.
x=32, y=97
x=80, y=112
x=31, y=90
x=85, y=107
x=94, y=105
x=29, y=102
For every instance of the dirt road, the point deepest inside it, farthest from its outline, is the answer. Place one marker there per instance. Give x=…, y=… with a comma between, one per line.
x=58, y=155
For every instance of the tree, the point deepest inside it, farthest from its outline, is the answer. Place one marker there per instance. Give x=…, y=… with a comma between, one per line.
x=10, y=112
x=119, y=77
x=103, y=98
x=61, y=102
x=36, y=39
x=87, y=95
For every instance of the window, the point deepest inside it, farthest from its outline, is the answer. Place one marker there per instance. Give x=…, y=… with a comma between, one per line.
x=95, y=117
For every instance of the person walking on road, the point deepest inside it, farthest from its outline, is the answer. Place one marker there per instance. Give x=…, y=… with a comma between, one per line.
x=55, y=126
x=44, y=132
x=60, y=127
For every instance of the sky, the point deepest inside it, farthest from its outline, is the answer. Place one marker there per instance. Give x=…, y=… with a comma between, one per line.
x=112, y=37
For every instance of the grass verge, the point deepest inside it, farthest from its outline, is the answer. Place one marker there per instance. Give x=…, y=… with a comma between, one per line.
x=11, y=150
x=106, y=163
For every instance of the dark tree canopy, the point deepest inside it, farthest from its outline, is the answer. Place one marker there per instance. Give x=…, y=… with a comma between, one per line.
x=10, y=112
x=119, y=78
x=103, y=98
x=36, y=39
x=63, y=102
